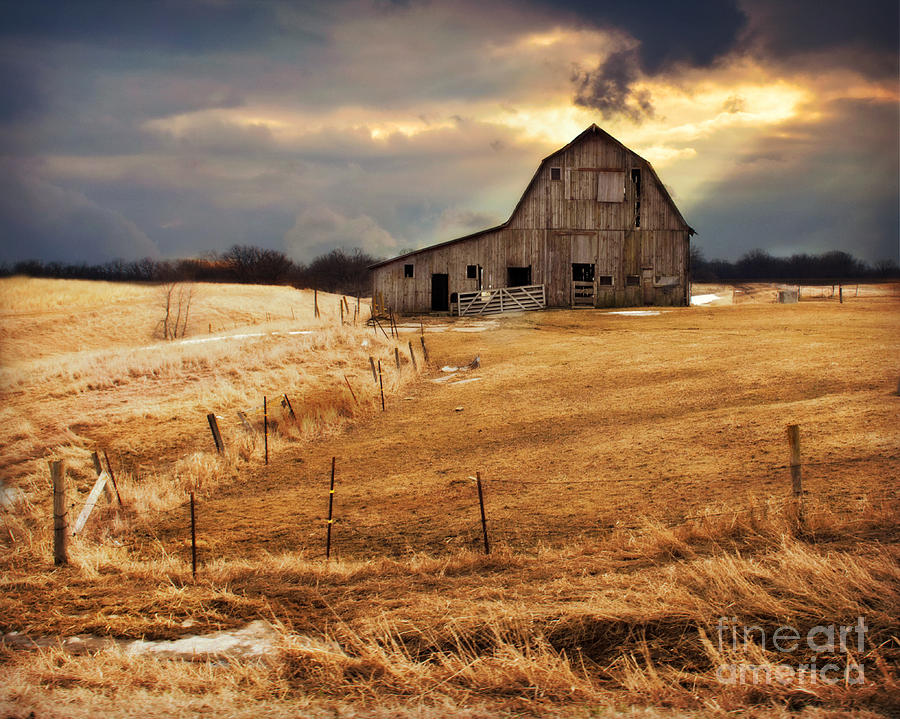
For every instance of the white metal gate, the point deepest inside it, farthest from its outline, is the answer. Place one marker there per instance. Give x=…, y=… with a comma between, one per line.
x=502, y=299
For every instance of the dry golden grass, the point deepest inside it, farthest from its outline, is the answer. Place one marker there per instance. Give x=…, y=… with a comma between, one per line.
x=562, y=630
x=69, y=386
x=597, y=435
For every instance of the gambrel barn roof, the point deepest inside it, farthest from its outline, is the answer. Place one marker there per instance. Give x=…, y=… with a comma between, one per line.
x=593, y=129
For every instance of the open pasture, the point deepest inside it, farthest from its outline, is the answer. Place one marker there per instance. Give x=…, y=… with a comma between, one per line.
x=636, y=488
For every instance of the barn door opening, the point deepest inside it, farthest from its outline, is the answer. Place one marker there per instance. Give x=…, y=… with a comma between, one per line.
x=582, y=284
x=647, y=285
x=518, y=276
x=440, y=293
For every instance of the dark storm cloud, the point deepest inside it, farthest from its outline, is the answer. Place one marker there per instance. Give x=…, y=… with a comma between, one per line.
x=811, y=187
x=864, y=36
x=693, y=33
x=802, y=34
x=23, y=97
x=163, y=25
x=42, y=220
x=608, y=88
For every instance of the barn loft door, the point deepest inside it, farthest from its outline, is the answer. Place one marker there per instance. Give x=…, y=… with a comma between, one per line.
x=440, y=293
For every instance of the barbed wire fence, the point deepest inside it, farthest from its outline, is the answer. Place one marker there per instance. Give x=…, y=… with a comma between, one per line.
x=518, y=526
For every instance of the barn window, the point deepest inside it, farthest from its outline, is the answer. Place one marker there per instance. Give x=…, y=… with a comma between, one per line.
x=555, y=173
x=407, y=270
x=475, y=272
x=582, y=272
x=604, y=280
x=632, y=280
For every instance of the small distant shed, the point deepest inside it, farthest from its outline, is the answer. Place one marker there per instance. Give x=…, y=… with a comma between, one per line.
x=788, y=296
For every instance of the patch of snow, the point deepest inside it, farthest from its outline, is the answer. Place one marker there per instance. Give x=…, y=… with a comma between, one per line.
x=463, y=381
x=474, y=364
x=243, y=336
x=10, y=495
x=635, y=313
x=443, y=379
x=255, y=640
x=478, y=326
x=703, y=299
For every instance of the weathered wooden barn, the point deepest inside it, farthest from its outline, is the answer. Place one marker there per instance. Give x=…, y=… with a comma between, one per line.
x=595, y=227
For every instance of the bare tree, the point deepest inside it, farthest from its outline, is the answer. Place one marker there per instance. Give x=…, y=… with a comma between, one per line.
x=177, y=300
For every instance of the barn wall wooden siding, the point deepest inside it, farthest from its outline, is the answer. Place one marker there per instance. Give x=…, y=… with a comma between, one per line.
x=550, y=230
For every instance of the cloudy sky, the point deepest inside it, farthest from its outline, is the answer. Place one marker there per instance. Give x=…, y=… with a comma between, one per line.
x=169, y=129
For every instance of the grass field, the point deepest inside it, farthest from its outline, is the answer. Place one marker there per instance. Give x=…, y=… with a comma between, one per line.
x=635, y=483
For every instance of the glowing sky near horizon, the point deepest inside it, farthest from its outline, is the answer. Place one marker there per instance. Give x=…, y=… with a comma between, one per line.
x=178, y=128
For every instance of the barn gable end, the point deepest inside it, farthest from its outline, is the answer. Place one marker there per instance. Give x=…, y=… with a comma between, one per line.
x=595, y=227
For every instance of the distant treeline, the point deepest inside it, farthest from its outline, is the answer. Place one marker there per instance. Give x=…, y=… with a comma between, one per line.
x=760, y=265
x=347, y=271
x=337, y=271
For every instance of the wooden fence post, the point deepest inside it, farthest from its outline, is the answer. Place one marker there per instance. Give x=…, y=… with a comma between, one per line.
x=112, y=477
x=350, y=387
x=412, y=356
x=397, y=357
x=424, y=349
x=214, y=428
x=841, y=294
x=330, y=514
x=98, y=468
x=793, y=432
x=316, y=303
x=342, y=313
x=378, y=324
x=381, y=385
x=58, y=475
x=285, y=402
x=374, y=374
x=487, y=547
x=245, y=422
x=266, y=428
x=193, y=539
